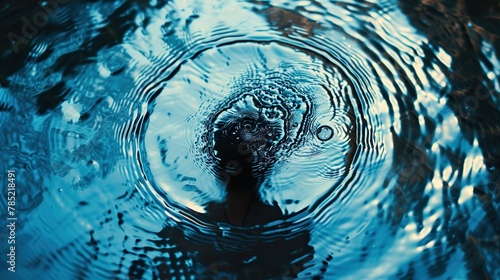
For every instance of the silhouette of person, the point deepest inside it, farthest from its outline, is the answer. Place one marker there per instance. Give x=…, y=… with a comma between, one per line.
x=243, y=150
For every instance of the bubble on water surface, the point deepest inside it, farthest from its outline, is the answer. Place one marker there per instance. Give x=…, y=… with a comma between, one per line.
x=324, y=133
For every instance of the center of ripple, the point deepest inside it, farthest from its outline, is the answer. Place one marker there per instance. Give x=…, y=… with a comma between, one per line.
x=257, y=124
x=249, y=133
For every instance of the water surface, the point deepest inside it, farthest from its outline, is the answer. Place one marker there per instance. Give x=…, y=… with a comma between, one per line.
x=252, y=139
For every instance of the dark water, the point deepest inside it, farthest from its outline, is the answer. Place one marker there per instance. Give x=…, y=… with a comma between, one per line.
x=251, y=139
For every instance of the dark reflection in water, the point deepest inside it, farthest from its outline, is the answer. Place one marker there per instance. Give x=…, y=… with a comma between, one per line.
x=252, y=140
x=239, y=147
x=186, y=256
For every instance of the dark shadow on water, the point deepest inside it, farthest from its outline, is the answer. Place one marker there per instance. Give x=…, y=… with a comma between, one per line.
x=245, y=251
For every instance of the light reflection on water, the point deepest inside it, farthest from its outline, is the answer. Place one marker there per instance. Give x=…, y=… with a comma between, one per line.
x=254, y=139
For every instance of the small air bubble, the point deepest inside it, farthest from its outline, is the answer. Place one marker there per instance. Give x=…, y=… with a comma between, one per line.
x=324, y=133
x=60, y=190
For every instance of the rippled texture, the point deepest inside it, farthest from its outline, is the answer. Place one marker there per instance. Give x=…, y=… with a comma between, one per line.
x=253, y=139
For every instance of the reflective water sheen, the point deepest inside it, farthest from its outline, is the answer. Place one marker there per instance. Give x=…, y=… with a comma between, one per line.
x=252, y=139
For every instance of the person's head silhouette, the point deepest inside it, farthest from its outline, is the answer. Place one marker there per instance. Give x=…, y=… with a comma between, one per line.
x=244, y=150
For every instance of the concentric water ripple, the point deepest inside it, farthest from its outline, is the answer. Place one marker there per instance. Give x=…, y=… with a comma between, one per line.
x=255, y=140
x=255, y=116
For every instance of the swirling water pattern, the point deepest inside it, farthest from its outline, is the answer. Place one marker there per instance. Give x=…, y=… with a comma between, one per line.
x=361, y=139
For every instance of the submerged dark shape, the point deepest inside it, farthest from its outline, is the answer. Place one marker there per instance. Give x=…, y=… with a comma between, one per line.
x=242, y=146
x=245, y=146
x=227, y=256
x=249, y=133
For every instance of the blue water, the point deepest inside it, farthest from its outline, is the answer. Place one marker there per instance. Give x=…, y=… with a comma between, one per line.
x=250, y=139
